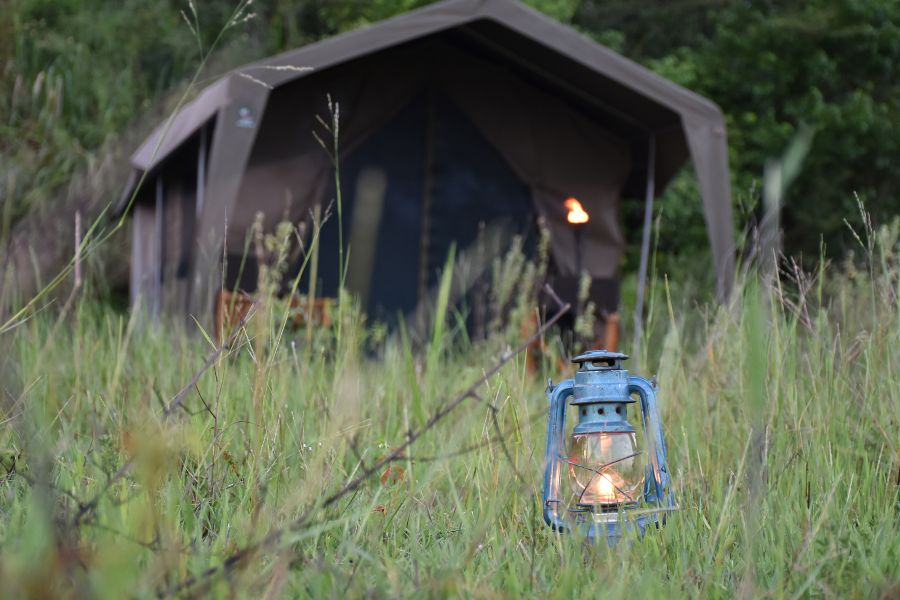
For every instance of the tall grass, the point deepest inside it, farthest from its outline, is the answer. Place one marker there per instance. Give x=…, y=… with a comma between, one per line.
x=781, y=412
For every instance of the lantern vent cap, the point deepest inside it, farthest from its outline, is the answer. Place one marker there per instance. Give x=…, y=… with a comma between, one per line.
x=595, y=360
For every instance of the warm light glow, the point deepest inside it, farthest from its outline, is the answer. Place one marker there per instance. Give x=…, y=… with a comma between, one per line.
x=577, y=214
x=605, y=486
x=605, y=469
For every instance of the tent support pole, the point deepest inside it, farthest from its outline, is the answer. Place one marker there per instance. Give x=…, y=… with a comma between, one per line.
x=199, y=200
x=645, y=246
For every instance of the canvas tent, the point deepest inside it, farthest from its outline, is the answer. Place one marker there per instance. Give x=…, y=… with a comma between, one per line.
x=462, y=115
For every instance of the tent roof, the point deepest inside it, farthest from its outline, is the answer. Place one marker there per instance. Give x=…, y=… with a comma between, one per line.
x=632, y=95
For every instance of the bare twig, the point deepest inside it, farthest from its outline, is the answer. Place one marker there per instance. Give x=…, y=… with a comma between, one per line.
x=274, y=537
x=76, y=285
x=500, y=437
x=84, y=509
x=14, y=470
x=180, y=397
x=88, y=507
x=77, y=249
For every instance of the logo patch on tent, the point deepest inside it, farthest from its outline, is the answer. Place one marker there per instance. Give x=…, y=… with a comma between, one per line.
x=246, y=119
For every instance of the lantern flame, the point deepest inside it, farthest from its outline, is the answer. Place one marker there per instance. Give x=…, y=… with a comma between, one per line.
x=606, y=486
x=576, y=215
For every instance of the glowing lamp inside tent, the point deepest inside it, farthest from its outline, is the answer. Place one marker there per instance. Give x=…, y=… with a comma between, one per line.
x=576, y=215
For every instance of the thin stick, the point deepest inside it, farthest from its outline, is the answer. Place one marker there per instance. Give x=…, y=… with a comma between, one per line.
x=86, y=508
x=76, y=285
x=274, y=537
x=77, y=249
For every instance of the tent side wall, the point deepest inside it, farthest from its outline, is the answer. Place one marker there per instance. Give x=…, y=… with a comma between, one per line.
x=163, y=233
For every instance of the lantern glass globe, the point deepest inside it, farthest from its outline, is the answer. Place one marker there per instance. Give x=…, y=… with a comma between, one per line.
x=605, y=470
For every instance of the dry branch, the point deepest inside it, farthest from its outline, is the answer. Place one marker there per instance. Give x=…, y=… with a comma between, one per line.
x=86, y=508
x=274, y=537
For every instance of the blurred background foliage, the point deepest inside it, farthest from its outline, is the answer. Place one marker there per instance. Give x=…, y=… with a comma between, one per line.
x=75, y=75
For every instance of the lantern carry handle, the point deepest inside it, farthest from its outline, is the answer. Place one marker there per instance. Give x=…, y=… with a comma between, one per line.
x=555, y=444
x=653, y=428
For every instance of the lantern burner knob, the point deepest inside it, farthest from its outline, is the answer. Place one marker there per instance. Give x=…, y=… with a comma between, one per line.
x=600, y=360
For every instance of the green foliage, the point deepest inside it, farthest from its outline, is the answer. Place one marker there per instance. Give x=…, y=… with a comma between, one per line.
x=774, y=66
x=831, y=66
x=75, y=74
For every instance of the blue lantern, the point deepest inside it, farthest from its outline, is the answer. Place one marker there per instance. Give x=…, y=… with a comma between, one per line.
x=609, y=478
